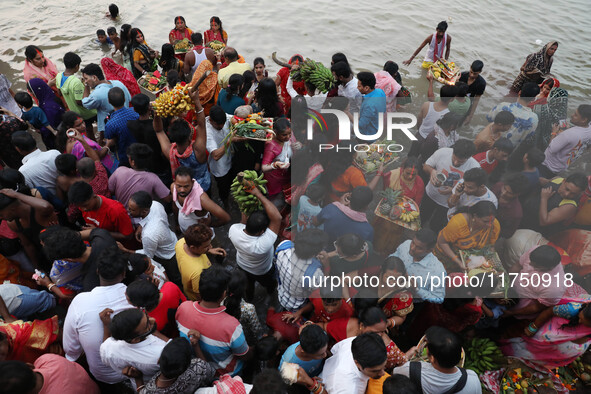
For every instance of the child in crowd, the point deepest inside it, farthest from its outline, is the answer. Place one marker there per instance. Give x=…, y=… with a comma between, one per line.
x=102, y=37
x=113, y=11
x=531, y=160
x=487, y=137
x=114, y=37
x=309, y=206
x=461, y=104
x=33, y=114
x=493, y=309
x=325, y=305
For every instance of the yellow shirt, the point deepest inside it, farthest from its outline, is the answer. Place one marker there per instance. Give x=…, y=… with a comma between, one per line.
x=190, y=268
x=233, y=68
x=374, y=386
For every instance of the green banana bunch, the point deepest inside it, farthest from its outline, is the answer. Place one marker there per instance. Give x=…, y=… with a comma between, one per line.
x=315, y=73
x=483, y=355
x=248, y=203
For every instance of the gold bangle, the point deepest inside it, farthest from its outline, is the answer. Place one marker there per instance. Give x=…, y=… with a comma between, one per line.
x=51, y=285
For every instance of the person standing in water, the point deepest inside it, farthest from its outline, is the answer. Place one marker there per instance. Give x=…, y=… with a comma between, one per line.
x=437, y=42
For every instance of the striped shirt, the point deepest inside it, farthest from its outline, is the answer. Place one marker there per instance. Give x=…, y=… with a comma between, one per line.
x=222, y=339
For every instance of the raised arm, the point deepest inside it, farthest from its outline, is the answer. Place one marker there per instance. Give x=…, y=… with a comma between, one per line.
x=219, y=217
x=199, y=144
x=556, y=215
x=43, y=209
x=87, y=148
x=161, y=135
x=270, y=209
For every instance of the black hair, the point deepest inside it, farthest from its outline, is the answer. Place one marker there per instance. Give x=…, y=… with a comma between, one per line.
x=463, y=149
x=309, y=243
x=529, y=91
x=296, y=59
x=369, y=350
x=236, y=290
x=197, y=38
x=517, y=182
x=392, y=69
x=111, y=263
x=111, y=30
x=219, y=22
x=31, y=51
x=257, y=222
x=234, y=85
x=578, y=179
x=66, y=164
x=504, y=144
x=371, y=316
x=313, y=338
x=399, y=384
x=427, y=236
x=213, y=283
x=266, y=97
x=141, y=154
x=316, y=192
x=477, y=66
x=101, y=32
x=133, y=38
x=124, y=323
x=363, y=300
x=179, y=131
x=281, y=125
x=535, y=157
x=140, y=103
x=361, y=197
x=182, y=18
x=585, y=111
x=544, y=257
x=393, y=263
x=86, y=167
x=113, y=10
x=341, y=69
x=139, y=264
x=116, y=97
x=476, y=175
x=167, y=60
x=258, y=60
x=16, y=377
x=574, y=320
x=266, y=348
x=94, y=69
x=230, y=54
x=339, y=57
x=461, y=89
x=142, y=199
x=23, y=141
x=411, y=162
x=367, y=79
x=62, y=243
x=217, y=114
x=450, y=121
x=249, y=77
x=447, y=93
x=15, y=180
x=71, y=60
x=444, y=345
x=351, y=244
x=504, y=118
x=142, y=293
x=268, y=381
x=124, y=34
x=24, y=99
x=483, y=209
x=173, y=78
x=183, y=171
x=175, y=358
x=442, y=26
x=80, y=192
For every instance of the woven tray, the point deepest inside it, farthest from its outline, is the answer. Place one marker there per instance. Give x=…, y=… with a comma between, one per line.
x=415, y=225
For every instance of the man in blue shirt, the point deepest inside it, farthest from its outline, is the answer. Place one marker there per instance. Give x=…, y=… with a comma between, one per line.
x=373, y=106
x=98, y=99
x=116, y=130
x=419, y=261
x=310, y=352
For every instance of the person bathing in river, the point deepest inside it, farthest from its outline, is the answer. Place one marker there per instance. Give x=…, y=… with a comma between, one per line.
x=437, y=42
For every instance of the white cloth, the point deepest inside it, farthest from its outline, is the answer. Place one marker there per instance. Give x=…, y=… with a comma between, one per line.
x=567, y=147
x=430, y=120
x=440, y=47
x=253, y=254
x=435, y=382
x=199, y=57
x=445, y=141
x=10, y=295
x=314, y=102
x=6, y=99
x=215, y=137
x=157, y=238
x=186, y=221
x=467, y=201
x=83, y=329
x=39, y=169
x=143, y=355
x=441, y=162
x=340, y=374
x=350, y=91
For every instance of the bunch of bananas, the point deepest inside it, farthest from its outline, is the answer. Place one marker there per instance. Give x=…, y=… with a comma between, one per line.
x=182, y=45
x=217, y=46
x=483, y=355
x=408, y=217
x=315, y=73
x=174, y=102
x=243, y=183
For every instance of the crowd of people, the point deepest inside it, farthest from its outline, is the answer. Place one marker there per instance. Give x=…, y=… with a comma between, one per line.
x=125, y=264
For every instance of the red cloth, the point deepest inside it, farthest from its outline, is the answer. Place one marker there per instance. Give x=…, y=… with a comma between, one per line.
x=486, y=166
x=100, y=182
x=111, y=216
x=172, y=297
x=320, y=314
x=298, y=86
x=289, y=331
x=337, y=329
x=113, y=71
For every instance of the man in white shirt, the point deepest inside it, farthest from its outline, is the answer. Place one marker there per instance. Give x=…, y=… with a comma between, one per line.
x=254, y=239
x=158, y=240
x=441, y=375
x=233, y=67
x=38, y=167
x=217, y=125
x=347, y=85
x=83, y=329
x=354, y=361
x=469, y=191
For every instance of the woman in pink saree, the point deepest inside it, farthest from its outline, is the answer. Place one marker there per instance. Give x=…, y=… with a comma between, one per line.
x=558, y=336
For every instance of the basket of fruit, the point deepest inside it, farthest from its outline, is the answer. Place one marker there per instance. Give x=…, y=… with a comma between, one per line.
x=581, y=370
x=152, y=84
x=173, y=103
x=422, y=353
x=182, y=46
x=522, y=377
x=375, y=156
x=216, y=46
x=445, y=72
x=253, y=127
x=399, y=209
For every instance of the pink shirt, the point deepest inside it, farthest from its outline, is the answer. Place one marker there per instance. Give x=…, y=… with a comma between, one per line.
x=126, y=181
x=61, y=376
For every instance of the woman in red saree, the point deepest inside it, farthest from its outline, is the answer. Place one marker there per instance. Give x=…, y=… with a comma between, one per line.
x=180, y=31
x=25, y=341
x=216, y=32
x=281, y=81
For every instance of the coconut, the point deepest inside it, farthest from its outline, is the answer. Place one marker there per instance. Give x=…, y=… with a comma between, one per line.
x=243, y=111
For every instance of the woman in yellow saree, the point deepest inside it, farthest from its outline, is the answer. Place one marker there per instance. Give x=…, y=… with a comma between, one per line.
x=209, y=88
